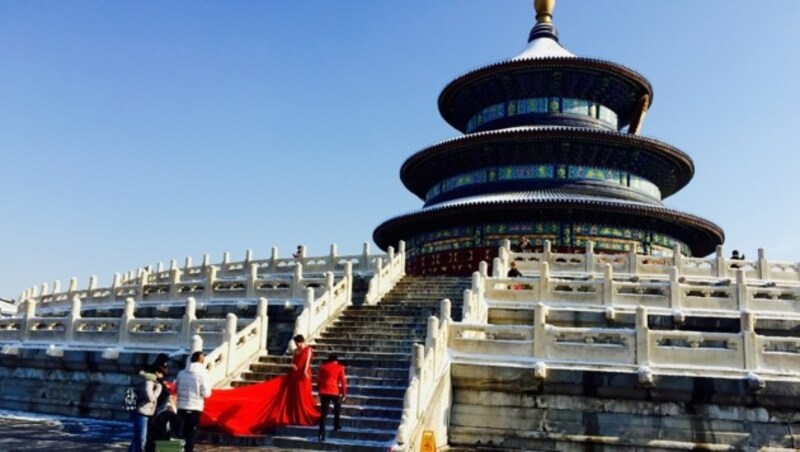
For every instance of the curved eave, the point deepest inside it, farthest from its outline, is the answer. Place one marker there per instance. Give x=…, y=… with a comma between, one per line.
x=500, y=75
x=470, y=152
x=700, y=235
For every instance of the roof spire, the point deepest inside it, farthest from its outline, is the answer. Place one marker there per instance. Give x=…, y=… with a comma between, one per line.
x=544, y=11
x=544, y=20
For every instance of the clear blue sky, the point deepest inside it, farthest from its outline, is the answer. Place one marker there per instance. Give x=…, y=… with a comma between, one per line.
x=133, y=132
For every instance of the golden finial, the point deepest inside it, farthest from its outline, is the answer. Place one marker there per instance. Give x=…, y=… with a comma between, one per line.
x=544, y=10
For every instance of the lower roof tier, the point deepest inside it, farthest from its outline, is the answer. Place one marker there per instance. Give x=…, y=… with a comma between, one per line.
x=570, y=218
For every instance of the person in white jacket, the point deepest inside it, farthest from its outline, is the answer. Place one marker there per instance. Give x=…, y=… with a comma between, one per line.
x=193, y=388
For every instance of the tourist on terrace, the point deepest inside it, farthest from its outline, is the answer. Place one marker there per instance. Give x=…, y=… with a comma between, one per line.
x=736, y=257
x=524, y=245
x=299, y=254
x=193, y=388
x=513, y=272
x=332, y=387
x=148, y=391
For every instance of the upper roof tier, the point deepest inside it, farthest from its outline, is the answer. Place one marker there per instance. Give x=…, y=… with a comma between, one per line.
x=545, y=70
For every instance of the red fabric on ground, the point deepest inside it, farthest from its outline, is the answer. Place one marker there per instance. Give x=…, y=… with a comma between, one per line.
x=249, y=410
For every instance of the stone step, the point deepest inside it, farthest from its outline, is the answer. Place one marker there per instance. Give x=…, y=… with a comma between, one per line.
x=358, y=342
x=361, y=434
x=266, y=371
x=375, y=334
x=352, y=390
x=289, y=443
x=403, y=348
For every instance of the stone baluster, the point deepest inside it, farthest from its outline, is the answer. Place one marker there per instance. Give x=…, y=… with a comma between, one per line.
x=141, y=286
x=173, y=264
x=750, y=341
x=248, y=257
x=29, y=317
x=378, y=275
x=308, y=305
x=206, y=261
x=608, y=285
x=544, y=281
x=642, y=337
x=273, y=259
x=226, y=259
x=431, y=339
x=483, y=269
x=229, y=339
x=187, y=263
x=506, y=245
x=332, y=256
x=365, y=256
x=741, y=290
x=73, y=287
x=763, y=265
x=446, y=310
x=674, y=289
x=174, y=282
x=196, y=345
x=497, y=267
x=722, y=267
x=115, y=283
x=43, y=291
x=348, y=274
x=160, y=267
x=125, y=321
x=329, y=282
x=401, y=250
x=633, y=261
x=211, y=279
x=540, y=331
x=677, y=258
x=504, y=259
x=297, y=281
x=468, y=307
x=263, y=323
x=56, y=287
x=74, y=316
x=589, y=256
x=548, y=251
x=189, y=317
x=252, y=280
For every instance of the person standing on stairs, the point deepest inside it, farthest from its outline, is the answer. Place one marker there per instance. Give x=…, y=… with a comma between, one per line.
x=332, y=387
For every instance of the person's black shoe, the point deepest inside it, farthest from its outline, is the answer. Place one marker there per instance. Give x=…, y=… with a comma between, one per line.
x=321, y=436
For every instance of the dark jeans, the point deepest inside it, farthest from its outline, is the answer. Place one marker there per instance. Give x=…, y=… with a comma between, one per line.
x=189, y=421
x=325, y=401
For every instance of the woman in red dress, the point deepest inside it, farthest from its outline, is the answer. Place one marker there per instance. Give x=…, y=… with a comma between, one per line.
x=283, y=400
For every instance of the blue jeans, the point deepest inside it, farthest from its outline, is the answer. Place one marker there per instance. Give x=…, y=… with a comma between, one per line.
x=139, y=432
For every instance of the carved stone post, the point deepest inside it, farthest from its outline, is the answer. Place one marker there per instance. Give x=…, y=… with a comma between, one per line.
x=608, y=285
x=125, y=321
x=497, y=268
x=348, y=274
x=544, y=281
x=28, y=318
x=589, y=257
x=252, y=277
x=297, y=281
x=633, y=261
x=469, y=315
x=263, y=323
x=548, y=247
x=722, y=267
x=365, y=256
x=539, y=331
x=189, y=316
x=674, y=289
x=248, y=257
x=750, y=341
x=642, y=337
x=74, y=316
x=483, y=269
x=332, y=256
x=230, y=341
x=763, y=265
x=741, y=290
x=401, y=250
x=445, y=310
x=273, y=259
x=174, y=280
x=211, y=279
x=141, y=286
x=378, y=276
x=308, y=304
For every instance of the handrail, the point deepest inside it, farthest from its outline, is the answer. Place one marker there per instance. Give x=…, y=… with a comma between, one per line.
x=430, y=365
x=387, y=276
x=319, y=313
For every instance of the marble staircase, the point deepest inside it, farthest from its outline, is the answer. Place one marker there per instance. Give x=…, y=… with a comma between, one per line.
x=374, y=342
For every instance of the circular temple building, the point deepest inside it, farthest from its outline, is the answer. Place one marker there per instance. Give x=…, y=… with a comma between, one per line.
x=551, y=151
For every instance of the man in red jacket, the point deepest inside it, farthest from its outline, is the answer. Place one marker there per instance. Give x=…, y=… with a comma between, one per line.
x=332, y=386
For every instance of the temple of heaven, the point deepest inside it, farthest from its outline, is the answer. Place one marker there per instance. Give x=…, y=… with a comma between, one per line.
x=550, y=151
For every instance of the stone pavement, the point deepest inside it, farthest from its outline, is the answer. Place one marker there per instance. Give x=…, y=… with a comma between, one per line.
x=32, y=432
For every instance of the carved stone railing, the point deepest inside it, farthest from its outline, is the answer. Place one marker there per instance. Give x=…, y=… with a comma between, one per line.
x=319, y=313
x=386, y=276
x=249, y=279
x=636, y=264
x=744, y=354
x=237, y=349
x=125, y=331
x=625, y=292
x=427, y=397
